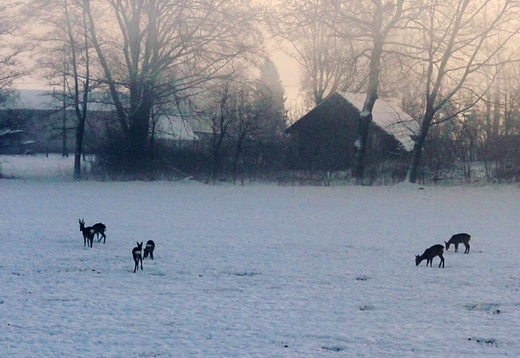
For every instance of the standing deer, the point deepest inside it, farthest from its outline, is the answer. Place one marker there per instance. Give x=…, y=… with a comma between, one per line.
x=150, y=246
x=429, y=254
x=100, y=228
x=457, y=239
x=136, y=253
x=88, y=233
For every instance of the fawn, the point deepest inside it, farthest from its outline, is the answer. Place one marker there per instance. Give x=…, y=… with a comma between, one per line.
x=457, y=239
x=429, y=254
x=100, y=228
x=136, y=253
x=150, y=246
x=88, y=233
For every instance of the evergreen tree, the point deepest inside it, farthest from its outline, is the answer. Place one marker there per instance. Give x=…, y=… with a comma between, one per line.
x=271, y=99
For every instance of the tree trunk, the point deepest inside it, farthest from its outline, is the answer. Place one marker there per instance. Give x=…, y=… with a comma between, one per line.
x=416, y=157
x=365, y=117
x=138, y=153
x=360, y=146
x=413, y=170
x=80, y=131
x=64, y=149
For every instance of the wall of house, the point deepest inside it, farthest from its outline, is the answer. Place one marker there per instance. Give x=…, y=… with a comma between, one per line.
x=16, y=142
x=45, y=128
x=324, y=138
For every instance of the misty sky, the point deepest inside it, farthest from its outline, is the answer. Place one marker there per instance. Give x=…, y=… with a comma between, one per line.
x=287, y=67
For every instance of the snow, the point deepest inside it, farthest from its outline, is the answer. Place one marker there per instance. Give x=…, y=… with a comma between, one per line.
x=256, y=271
x=389, y=116
x=37, y=167
x=46, y=99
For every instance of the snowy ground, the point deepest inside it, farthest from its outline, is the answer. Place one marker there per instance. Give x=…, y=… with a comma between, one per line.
x=37, y=167
x=257, y=271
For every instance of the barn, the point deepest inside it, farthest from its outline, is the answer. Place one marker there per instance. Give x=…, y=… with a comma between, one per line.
x=323, y=139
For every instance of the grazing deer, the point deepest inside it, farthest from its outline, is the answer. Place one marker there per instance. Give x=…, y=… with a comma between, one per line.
x=429, y=254
x=136, y=253
x=100, y=228
x=150, y=246
x=457, y=239
x=88, y=233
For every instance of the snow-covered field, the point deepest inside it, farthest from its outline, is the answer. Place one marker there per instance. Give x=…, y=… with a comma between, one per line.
x=257, y=271
x=37, y=167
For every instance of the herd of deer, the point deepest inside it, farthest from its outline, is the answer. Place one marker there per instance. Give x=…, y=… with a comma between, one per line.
x=428, y=255
x=437, y=250
x=100, y=228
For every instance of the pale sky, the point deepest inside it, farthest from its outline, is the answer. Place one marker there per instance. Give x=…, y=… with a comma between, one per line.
x=289, y=71
x=288, y=68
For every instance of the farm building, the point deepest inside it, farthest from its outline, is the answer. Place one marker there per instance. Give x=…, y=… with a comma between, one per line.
x=41, y=116
x=323, y=139
x=15, y=141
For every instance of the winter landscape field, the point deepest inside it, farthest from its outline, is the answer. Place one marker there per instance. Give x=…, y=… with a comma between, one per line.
x=254, y=271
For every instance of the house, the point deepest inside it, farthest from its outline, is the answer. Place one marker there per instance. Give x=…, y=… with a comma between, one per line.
x=186, y=128
x=15, y=141
x=40, y=115
x=323, y=139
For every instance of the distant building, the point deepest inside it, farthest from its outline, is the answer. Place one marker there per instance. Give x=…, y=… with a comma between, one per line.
x=323, y=139
x=40, y=116
x=15, y=141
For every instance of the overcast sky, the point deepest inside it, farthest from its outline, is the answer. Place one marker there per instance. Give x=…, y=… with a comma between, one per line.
x=287, y=67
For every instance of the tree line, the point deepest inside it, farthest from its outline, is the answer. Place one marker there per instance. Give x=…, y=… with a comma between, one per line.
x=452, y=63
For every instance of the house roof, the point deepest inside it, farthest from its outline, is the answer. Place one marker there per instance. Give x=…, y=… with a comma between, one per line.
x=388, y=116
x=32, y=99
x=6, y=132
x=174, y=127
x=46, y=100
x=168, y=125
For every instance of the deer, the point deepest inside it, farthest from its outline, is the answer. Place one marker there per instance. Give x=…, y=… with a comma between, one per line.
x=429, y=254
x=100, y=228
x=457, y=239
x=88, y=233
x=136, y=253
x=150, y=246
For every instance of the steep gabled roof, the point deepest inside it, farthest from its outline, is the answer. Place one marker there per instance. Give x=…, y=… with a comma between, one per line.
x=49, y=100
x=174, y=127
x=388, y=116
x=32, y=99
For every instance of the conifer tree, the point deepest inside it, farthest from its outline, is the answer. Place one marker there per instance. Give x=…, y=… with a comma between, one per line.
x=271, y=98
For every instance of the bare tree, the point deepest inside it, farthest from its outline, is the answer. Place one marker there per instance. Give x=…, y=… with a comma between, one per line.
x=246, y=126
x=156, y=50
x=451, y=44
x=329, y=62
x=222, y=113
x=12, y=44
x=64, y=61
x=66, y=58
x=369, y=22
